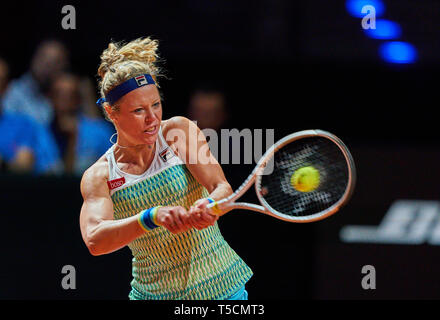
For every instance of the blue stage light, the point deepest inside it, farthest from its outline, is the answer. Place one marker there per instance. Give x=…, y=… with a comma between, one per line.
x=398, y=52
x=385, y=29
x=354, y=7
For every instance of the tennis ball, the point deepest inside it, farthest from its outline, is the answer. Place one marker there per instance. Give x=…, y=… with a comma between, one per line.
x=305, y=179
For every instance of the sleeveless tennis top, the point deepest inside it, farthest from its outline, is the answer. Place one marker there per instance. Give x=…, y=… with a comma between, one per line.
x=196, y=264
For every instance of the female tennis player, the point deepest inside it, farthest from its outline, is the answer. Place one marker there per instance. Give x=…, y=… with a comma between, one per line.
x=148, y=191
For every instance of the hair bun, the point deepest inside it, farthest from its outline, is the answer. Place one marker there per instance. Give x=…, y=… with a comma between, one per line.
x=143, y=50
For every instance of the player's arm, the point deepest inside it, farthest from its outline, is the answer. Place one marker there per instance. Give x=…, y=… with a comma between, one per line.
x=191, y=145
x=101, y=233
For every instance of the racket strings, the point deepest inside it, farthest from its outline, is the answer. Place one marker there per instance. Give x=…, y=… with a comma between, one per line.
x=321, y=153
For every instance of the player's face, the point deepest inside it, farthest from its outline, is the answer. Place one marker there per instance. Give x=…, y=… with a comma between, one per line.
x=139, y=116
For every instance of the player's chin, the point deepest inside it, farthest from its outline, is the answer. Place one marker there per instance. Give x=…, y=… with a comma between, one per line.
x=149, y=138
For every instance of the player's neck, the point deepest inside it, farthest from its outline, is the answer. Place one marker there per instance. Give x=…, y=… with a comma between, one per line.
x=141, y=155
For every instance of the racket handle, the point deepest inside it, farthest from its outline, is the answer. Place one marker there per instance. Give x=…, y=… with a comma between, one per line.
x=219, y=207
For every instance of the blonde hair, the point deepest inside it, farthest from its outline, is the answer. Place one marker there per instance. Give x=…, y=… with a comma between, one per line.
x=123, y=61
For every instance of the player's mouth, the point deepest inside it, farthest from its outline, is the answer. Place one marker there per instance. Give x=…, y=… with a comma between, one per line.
x=151, y=130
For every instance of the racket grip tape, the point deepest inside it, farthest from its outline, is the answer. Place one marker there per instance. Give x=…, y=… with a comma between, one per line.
x=213, y=205
x=215, y=209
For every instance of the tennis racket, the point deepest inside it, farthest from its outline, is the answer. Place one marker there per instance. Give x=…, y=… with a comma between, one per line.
x=273, y=174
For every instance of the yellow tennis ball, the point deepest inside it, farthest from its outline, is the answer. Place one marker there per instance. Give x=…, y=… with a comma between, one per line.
x=305, y=179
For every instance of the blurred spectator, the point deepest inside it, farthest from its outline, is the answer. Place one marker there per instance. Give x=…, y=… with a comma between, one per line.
x=22, y=139
x=28, y=94
x=80, y=139
x=4, y=76
x=15, y=149
x=88, y=98
x=207, y=105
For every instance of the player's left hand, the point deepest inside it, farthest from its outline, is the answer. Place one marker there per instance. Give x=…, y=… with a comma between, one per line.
x=200, y=216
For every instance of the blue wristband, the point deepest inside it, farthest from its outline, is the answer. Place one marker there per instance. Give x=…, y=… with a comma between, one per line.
x=146, y=219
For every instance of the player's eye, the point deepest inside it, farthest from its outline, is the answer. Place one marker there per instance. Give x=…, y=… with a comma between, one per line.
x=138, y=110
x=156, y=104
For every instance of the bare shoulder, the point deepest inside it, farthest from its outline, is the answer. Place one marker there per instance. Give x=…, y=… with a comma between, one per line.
x=177, y=122
x=177, y=132
x=94, y=179
x=176, y=128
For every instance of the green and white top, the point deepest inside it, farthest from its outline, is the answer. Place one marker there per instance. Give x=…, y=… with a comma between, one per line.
x=196, y=264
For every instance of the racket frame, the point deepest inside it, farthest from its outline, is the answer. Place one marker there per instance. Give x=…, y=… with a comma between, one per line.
x=227, y=204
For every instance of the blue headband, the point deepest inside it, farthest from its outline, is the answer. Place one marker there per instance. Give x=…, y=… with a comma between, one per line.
x=117, y=92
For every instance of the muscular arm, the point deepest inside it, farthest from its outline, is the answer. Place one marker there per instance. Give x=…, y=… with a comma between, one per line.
x=191, y=145
x=101, y=233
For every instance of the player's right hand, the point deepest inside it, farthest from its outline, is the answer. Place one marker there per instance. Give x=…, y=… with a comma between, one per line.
x=175, y=219
x=200, y=216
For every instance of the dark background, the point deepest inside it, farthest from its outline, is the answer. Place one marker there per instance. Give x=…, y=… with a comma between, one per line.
x=285, y=65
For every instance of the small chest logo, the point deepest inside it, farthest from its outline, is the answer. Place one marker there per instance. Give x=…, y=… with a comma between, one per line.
x=116, y=183
x=141, y=80
x=166, y=154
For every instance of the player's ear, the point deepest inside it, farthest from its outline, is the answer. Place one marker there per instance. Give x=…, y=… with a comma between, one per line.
x=110, y=113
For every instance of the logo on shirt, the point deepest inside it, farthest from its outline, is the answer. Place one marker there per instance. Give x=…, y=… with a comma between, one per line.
x=141, y=80
x=166, y=154
x=116, y=183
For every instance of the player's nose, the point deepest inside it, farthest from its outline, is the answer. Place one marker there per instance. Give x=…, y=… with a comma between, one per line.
x=149, y=115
